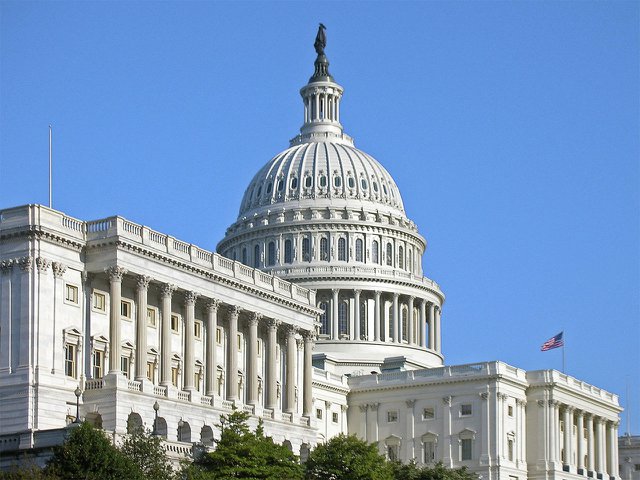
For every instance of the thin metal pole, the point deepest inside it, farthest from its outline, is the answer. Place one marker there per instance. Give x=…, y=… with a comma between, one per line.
x=564, y=342
x=50, y=166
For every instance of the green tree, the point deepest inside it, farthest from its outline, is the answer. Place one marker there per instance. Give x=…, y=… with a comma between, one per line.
x=88, y=454
x=147, y=453
x=347, y=458
x=242, y=454
x=438, y=471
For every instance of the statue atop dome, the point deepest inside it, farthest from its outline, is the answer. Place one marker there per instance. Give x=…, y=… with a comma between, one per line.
x=321, y=40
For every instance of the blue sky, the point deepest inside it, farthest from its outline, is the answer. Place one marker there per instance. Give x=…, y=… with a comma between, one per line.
x=511, y=128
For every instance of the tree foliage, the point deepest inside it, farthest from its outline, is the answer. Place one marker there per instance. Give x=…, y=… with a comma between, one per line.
x=242, y=454
x=410, y=471
x=347, y=458
x=147, y=453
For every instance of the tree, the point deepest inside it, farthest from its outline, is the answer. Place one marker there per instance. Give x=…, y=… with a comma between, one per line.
x=347, y=458
x=146, y=452
x=88, y=454
x=242, y=454
x=438, y=471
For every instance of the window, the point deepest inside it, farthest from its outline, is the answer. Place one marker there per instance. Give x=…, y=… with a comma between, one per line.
x=342, y=249
x=324, y=324
x=219, y=336
x=374, y=252
x=323, y=181
x=337, y=182
x=271, y=254
x=256, y=256
x=288, y=251
x=510, y=449
x=259, y=192
x=392, y=451
x=150, y=370
x=99, y=301
x=465, y=410
x=389, y=254
x=428, y=413
x=70, y=360
x=400, y=257
x=428, y=451
x=465, y=449
x=306, y=251
x=124, y=366
x=307, y=182
x=510, y=410
x=197, y=329
x=392, y=416
x=636, y=467
x=239, y=340
x=319, y=413
x=343, y=318
x=405, y=324
x=98, y=364
x=359, y=250
x=174, y=376
x=280, y=185
x=151, y=317
x=175, y=323
x=269, y=187
x=294, y=183
x=244, y=255
x=363, y=184
x=125, y=309
x=384, y=188
x=375, y=187
x=351, y=182
x=334, y=417
x=71, y=293
x=324, y=249
x=363, y=320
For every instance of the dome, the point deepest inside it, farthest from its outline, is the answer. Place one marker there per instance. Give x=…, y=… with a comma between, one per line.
x=334, y=171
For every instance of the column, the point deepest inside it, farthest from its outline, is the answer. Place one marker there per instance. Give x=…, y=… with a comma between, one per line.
x=580, y=442
x=189, y=358
x=394, y=319
x=599, y=447
x=292, y=349
x=272, y=379
x=590, y=443
x=232, y=354
x=376, y=316
x=616, y=467
x=438, y=333
x=612, y=459
x=334, y=313
x=422, y=335
x=485, y=438
x=307, y=382
x=166, y=293
x=115, y=281
x=431, y=322
x=568, y=427
x=447, y=438
x=141, y=327
x=212, y=365
x=316, y=99
x=252, y=351
x=410, y=430
x=356, y=322
x=411, y=334
x=553, y=431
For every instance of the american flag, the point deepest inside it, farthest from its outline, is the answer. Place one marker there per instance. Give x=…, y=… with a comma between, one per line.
x=553, y=342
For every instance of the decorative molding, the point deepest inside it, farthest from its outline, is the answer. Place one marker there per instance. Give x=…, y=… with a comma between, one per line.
x=484, y=395
x=190, y=297
x=410, y=403
x=58, y=269
x=142, y=282
x=447, y=400
x=42, y=264
x=115, y=273
x=26, y=264
x=213, y=304
x=234, y=311
x=255, y=319
x=6, y=265
x=167, y=289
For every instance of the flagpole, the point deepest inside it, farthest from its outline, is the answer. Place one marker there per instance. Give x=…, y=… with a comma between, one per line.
x=50, y=163
x=564, y=342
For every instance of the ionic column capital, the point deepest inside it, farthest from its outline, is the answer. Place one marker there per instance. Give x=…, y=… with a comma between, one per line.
x=115, y=273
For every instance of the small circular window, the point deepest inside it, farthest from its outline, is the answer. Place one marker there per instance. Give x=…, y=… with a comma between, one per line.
x=363, y=184
x=351, y=182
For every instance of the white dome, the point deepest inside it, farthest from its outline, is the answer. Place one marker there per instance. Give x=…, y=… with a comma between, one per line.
x=335, y=171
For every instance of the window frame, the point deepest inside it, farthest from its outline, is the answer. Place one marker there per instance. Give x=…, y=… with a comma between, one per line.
x=95, y=295
x=70, y=287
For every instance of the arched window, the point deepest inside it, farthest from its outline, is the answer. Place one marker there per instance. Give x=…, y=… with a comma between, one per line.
x=256, y=256
x=244, y=255
x=306, y=251
x=363, y=320
x=343, y=318
x=405, y=324
x=400, y=257
x=271, y=254
x=359, y=250
x=389, y=254
x=342, y=249
x=324, y=249
x=288, y=251
x=374, y=252
x=324, y=320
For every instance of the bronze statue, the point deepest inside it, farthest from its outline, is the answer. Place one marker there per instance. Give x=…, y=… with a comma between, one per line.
x=321, y=40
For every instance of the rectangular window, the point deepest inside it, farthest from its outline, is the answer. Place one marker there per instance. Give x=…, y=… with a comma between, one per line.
x=319, y=413
x=465, y=409
x=259, y=347
x=219, y=336
x=510, y=449
x=239, y=342
x=636, y=467
x=465, y=449
x=98, y=364
x=151, y=317
x=175, y=323
x=428, y=413
x=334, y=417
x=174, y=376
x=392, y=416
x=124, y=366
x=428, y=452
x=99, y=301
x=125, y=309
x=70, y=360
x=150, y=370
x=71, y=293
x=510, y=410
x=197, y=329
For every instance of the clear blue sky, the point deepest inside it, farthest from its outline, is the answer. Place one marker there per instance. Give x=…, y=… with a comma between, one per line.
x=511, y=128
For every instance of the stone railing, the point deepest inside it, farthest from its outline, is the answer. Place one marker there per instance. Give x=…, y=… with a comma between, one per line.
x=118, y=227
x=94, y=384
x=559, y=378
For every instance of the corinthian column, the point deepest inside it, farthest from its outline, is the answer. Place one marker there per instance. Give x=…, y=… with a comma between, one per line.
x=115, y=281
x=590, y=444
x=394, y=319
x=580, y=441
x=376, y=316
x=334, y=314
x=165, y=344
x=431, y=322
x=189, y=358
x=568, y=431
x=292, y=350
x=438, y=332
x=232, y=354
x=307, y=399
x=212, y=366
x=423, y=320
x=141, y=327
x=355, y=333
x=411, y=333
x=252, y=352
x=272, y=380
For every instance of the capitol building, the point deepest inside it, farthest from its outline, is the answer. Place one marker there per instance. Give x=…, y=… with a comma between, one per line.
x=314, y=315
